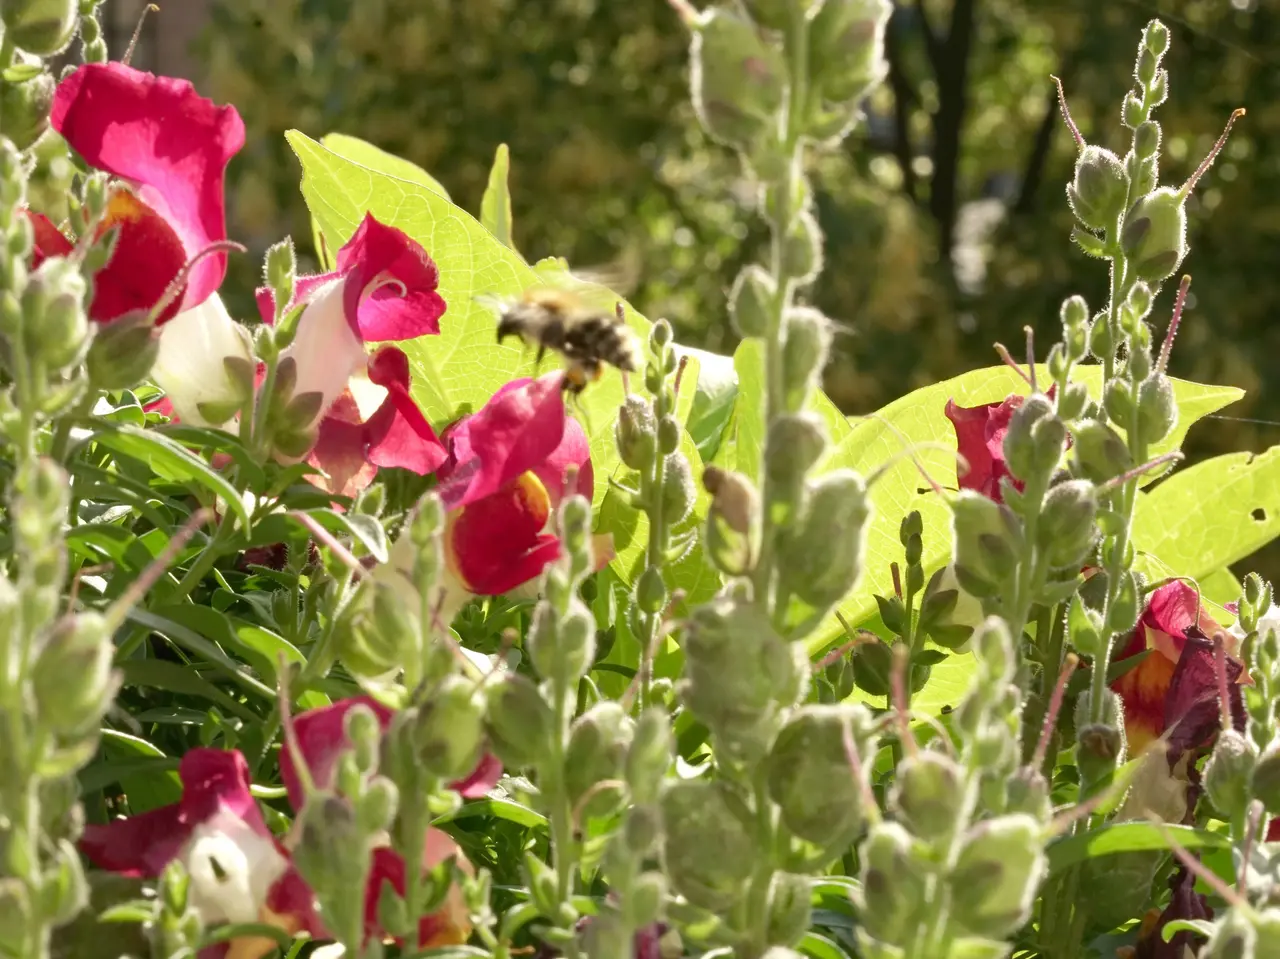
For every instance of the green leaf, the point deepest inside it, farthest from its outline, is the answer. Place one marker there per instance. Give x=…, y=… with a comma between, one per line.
x=180, y=624
x=820, y=947
x=498, y=809
x=365, y=529
x=713, y=401
x=1115, y=838
x=1212, y=514
x=1200, y=927
x=456, y=372
x=177, y=678
x=148, y=777
x=22, y=72
x=171, y=461
x=495, y=206
x=374, y=158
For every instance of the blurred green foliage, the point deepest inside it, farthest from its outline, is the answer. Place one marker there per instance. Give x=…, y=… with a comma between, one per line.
x=947, y=225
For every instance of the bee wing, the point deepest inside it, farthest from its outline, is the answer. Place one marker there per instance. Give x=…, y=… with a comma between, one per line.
x=492, y=301
x=621, y=275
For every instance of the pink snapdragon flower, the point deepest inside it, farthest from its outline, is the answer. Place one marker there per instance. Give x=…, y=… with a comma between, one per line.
x=383, y=290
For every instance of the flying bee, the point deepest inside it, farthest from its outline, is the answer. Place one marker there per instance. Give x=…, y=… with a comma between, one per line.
x=588, y=338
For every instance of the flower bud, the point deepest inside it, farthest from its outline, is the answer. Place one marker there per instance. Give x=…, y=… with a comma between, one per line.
x=821, y=556
x=1265, y=781
x=678, y=492
x=895, y=872
x=732, y=519
x=206, y=367
x=25, y=107
x=519, y=722
x=804, y=354
x=809, y=776
x=1154, y=237
x=996, y=875
x=1097, y=192
x=985, y=542
x=739, y=674
x=751, y=301
x=1228, y=772
x=924, y=794
x=668, y=435
x=644, y=903
x=376, y=809
x=72, y=680
x=872, y=666
x=563, y=649
x=846, y=47
x=42, y=27
x=708, y=848
x=598, y=745
x=1157, y=408
x=449, y=734
x=1022, y=452
x=636, y=432
x=1098, y=451
x=1066, y=532
x=1099, y=747
x=123, y=352
x=649, y=757
x=795, y=443
x=802, y=248
x=790, y=908
x=737, y=78
x=56, y=328
x=382, y=632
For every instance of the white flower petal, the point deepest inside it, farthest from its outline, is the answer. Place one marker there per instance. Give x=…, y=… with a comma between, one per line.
x=190, y=364
x=325, y=349
x=232, y=868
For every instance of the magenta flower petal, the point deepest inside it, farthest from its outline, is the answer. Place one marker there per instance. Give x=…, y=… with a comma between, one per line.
x=159, y=134
x=514, y=433
x=390, y=291
x=573, y=454
x=482, y=779
x=980, y=432
x=397, y=434
x=213, y=781
x=322, y=738
x=49, y=240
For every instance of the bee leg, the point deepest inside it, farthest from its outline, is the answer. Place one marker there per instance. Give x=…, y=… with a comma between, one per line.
x=542, y=351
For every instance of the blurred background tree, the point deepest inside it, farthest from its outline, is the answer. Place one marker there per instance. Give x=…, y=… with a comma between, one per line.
x=946, y=220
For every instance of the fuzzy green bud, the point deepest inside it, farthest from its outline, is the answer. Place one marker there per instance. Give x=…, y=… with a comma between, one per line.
x=42, y=27
x=802, y=248
x=53, y=302
x=678, y=491
x=708, y=848
x=1265, y=782
x=123, y=352
x=809, y=776
x=821, y=556
x=1228, y=772
x=846, y=47
x=1154, y=237
x=790, y=908
x=794, y=444
x=1034, y=441
x=1066, y=531
x=25, y=107
x=732, y=519
x=872, y=666
x=450, y=729
x=1157, y=407
x=804, y=354
x=924, y=794
x=518, y=720
x=280, y=267
x=636, y=432
x=72, y=680
x=650, y=755
x=1146, y=139
x=1098, y=452
x=562, y=649
x=739, y=674
x=996, y=875
x=598, y=746
x=382, y=632
x=751, y=301
x=986, y=542
x=895, y=872
x=737, y=78
x=1097, y=191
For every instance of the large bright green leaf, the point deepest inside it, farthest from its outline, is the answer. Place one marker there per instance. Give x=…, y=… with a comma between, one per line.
x=1115, y=838
x=495, y=205
x=368, y=155
x=1212, y=514
x=456, y=372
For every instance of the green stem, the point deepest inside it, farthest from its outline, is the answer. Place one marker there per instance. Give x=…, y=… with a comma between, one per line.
x=1049, y=678
x=62, y=432
x=651, y=490
x=786, y=188
x=6, y=50
x=204, y=562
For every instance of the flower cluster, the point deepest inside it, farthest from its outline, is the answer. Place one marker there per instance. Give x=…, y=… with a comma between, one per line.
x=242, y=873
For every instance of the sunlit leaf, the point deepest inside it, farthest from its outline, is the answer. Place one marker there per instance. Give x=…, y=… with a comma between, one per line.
x=495, y=205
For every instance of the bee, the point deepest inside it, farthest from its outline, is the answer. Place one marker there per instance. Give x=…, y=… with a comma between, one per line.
x=558, y=320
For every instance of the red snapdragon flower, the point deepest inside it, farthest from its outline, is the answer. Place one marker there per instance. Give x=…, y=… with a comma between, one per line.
x=510, y=465
x=239, y=871
x=1174, y=690
x=169, y=148
x=383, y=290
x=322, y=740
x=980, y=432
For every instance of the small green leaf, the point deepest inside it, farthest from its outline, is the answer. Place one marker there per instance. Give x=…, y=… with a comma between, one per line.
x=148, y=777
x=713, y=401
x=820, y=947
x=1199, y=927
x=495, y=207
x=187, y=637
x=22, y=72
x=1115, y=838
x=499, y=809
x=365, y=529
x=177, y=678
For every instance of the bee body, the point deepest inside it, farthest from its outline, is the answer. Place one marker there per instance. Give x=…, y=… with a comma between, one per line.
x=587, y=338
